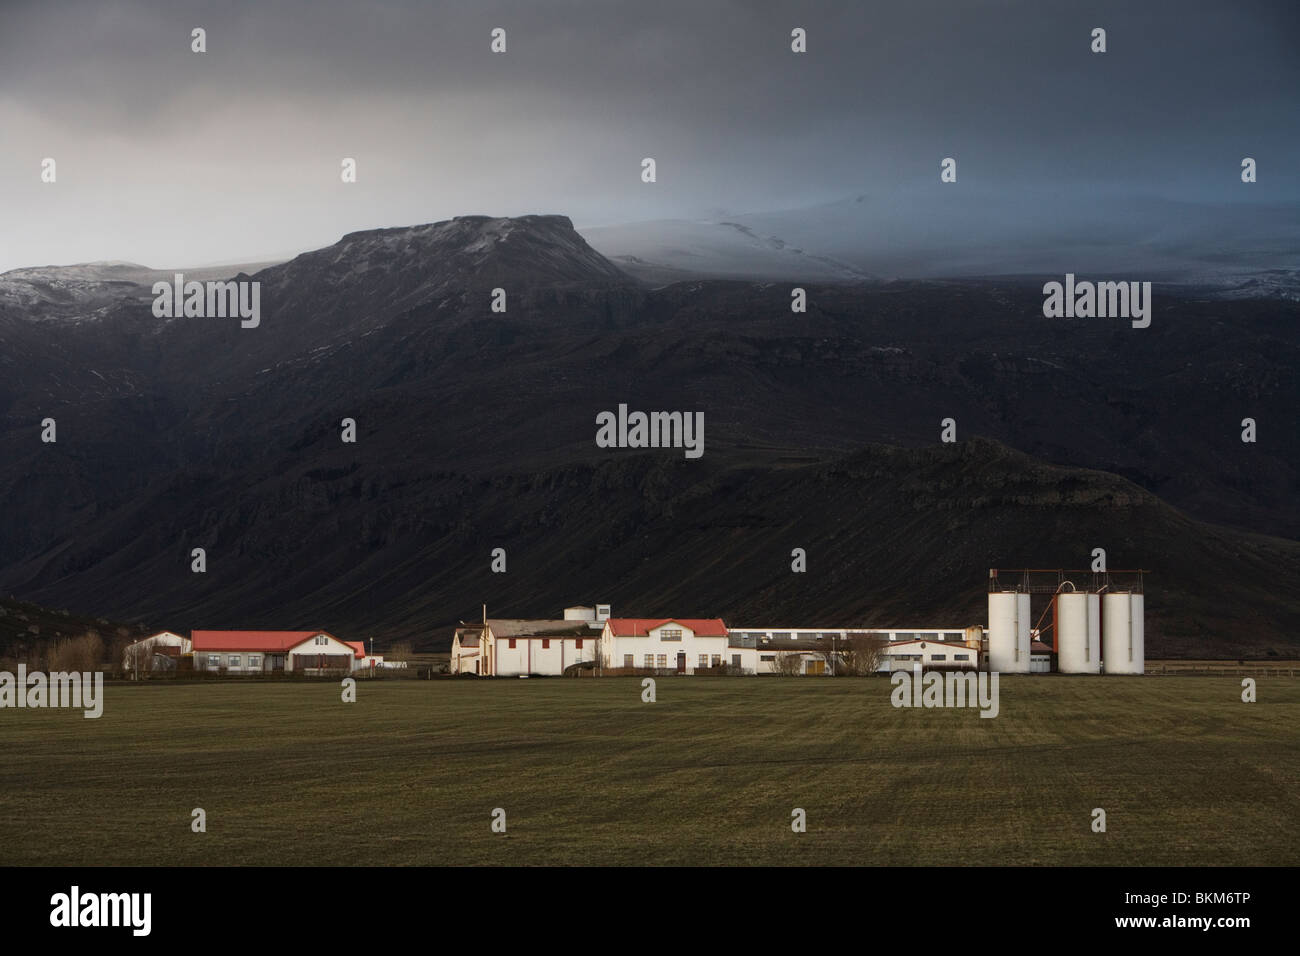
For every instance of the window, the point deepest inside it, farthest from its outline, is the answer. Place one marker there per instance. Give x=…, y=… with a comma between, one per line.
x=704, y=660
x=735, y=660
x=717, y=660
x=662, y=661
x=234, y=660
x=214, y=660
x=928, y=637
x=649, y=660
x=254, y=661
x=627, y=661
x=780, y=636
x=546, y=643
x=808, y=635
x=671, y=634
x=961, y=657
x=579, y=644
x=512, y=643
x=939, y=657
x=952, y=635
x=903, y=635
x=767, y=657
x=322, y=639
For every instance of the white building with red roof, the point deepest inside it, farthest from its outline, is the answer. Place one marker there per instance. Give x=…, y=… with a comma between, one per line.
x=677, y=645
x=253, y=652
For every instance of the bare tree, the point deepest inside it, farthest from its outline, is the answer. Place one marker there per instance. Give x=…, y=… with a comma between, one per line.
x=139, y=658
x=861, y=654
x=401, y=651
x=788, y=663
x=84, y=653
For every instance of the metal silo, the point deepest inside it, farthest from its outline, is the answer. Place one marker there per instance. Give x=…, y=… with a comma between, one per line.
x=1078, y=633
x=1009, y=632
x=1123, y=633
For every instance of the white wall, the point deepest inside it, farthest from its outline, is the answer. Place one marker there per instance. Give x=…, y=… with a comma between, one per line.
x=540, y=655
x=614, y=648
x=145, y=648
x=309, y=649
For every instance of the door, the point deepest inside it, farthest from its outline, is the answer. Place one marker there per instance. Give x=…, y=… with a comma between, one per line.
x=681, y=662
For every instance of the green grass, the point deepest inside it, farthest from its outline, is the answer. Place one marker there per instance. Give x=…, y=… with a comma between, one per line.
x=588, y=774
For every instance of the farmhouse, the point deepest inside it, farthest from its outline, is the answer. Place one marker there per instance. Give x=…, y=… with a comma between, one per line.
x=158, y=652
x=255, y=652
x=674, y=645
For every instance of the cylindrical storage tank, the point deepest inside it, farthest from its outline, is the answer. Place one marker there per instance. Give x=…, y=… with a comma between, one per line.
x=1123, y=633
x=1078, y=633
x=1009, y=632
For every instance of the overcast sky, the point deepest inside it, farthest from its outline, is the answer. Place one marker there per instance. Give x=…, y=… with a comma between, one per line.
x=173, y=158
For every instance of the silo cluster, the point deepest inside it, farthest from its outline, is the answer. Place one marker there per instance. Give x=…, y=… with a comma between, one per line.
x=1098, y=630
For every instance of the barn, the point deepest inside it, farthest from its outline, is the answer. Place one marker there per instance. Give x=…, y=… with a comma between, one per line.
x=510, y=647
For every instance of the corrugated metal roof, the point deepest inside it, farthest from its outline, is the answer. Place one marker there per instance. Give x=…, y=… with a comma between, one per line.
x=517, y=627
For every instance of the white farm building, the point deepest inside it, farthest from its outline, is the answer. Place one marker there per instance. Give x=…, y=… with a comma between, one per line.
x=820, y=650
x=157, y=652
x=673, y=645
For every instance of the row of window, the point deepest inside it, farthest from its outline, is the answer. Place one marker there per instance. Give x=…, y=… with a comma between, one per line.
x=546, y=642
x=661, y=660
x=254, y=661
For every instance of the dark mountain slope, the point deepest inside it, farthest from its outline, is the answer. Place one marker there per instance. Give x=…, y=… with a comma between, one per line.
x=195, y=432
x=893, y=536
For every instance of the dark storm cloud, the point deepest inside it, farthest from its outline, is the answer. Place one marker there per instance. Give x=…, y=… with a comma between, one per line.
x=166, y=153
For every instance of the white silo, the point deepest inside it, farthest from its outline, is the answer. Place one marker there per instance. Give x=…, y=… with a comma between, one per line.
x=1009, y=632
x=1078, y=633
x=1123, y=633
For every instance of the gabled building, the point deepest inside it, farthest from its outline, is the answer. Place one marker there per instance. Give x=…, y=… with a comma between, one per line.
x=255, y=652
x=157, y=652
x=466, y=650
x=670, y=645
x=509, y=647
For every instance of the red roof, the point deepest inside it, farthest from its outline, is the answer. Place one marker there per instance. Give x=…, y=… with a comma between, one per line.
x=249, y=640
x=358, y=646
x=641, y=626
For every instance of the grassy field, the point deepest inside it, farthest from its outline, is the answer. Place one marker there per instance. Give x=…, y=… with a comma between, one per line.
x=708, y=774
